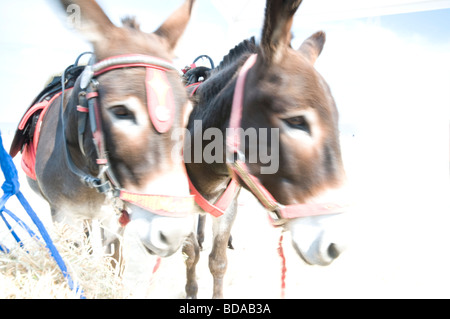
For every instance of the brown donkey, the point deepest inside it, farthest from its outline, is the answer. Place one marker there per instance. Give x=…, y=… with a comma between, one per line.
x=273, y=92
x=105, y=141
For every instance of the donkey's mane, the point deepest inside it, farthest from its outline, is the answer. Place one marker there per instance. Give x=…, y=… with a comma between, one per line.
x=213, y=96
x=246, y=46
x=227, y=68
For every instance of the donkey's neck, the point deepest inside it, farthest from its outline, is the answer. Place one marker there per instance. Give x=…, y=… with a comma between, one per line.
x=212, y=110
x=210, y=114
x=214, y=100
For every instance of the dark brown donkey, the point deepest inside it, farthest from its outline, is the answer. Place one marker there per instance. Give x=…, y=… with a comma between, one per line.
x=106, y=142
x=265, y=89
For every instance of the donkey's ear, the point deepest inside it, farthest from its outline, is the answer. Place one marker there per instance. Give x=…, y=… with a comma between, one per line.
x=276, y=34
x=312, y=47
x=172, y=29
x=87, y=17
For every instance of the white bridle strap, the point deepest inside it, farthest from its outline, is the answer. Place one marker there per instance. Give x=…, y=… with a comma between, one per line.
x=121, y=61
x=131, y=60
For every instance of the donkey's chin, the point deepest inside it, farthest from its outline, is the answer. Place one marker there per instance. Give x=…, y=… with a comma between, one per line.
x=152, y=250
x=161, y=236
x=316, y=240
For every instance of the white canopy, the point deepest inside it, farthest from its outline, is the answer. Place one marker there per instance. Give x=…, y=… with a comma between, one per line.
x=328, y=10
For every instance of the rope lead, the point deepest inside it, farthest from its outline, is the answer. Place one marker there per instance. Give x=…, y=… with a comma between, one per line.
x=283, y=266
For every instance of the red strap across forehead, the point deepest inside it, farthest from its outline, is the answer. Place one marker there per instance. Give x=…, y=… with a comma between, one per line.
x=160, y=100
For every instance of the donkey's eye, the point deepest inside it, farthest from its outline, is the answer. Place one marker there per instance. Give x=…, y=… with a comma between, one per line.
x=298, y=123
x=121, y=112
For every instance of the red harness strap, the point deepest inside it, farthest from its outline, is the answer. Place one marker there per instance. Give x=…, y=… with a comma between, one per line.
x=234, y=142
x=217, y=209
x=195, y=86
x=29, y=151
x=285, y=211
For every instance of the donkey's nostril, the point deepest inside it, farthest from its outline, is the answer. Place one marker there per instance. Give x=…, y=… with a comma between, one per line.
x=333, y=251
x=163, y=238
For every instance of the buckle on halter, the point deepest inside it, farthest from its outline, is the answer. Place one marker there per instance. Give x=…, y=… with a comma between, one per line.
x=103, y=188
x=240, y=156
x=235, y=156
x=86, y=76
x=275, y=216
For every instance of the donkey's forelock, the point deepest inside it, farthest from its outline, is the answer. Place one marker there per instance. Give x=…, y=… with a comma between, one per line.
x=131, y=22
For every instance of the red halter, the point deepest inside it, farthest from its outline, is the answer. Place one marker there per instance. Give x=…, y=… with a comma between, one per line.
x=239, y=168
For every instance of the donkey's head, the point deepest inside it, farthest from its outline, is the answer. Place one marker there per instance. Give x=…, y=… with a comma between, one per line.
x=140, y=104
x=288, y=94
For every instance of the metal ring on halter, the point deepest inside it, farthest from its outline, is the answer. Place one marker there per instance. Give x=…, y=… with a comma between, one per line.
x=276, y=217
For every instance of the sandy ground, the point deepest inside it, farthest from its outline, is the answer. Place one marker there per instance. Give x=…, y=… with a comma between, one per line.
x=398, y=243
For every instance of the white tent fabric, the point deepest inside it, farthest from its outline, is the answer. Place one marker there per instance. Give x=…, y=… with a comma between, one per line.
x=246, y=16
x=329, y=10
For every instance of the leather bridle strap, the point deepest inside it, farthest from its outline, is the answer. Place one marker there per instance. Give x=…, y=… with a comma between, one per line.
x=86, y=179
x=236, y=162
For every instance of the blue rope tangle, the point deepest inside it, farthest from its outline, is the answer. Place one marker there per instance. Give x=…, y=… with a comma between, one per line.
x=11, y=187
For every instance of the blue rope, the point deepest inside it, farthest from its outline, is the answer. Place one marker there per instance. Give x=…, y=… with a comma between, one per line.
x=11, y=230
x=21, y=224
x=11, y=187
x=3, y=201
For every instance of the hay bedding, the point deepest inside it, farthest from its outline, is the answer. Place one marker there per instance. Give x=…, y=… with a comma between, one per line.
x=31, y=272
